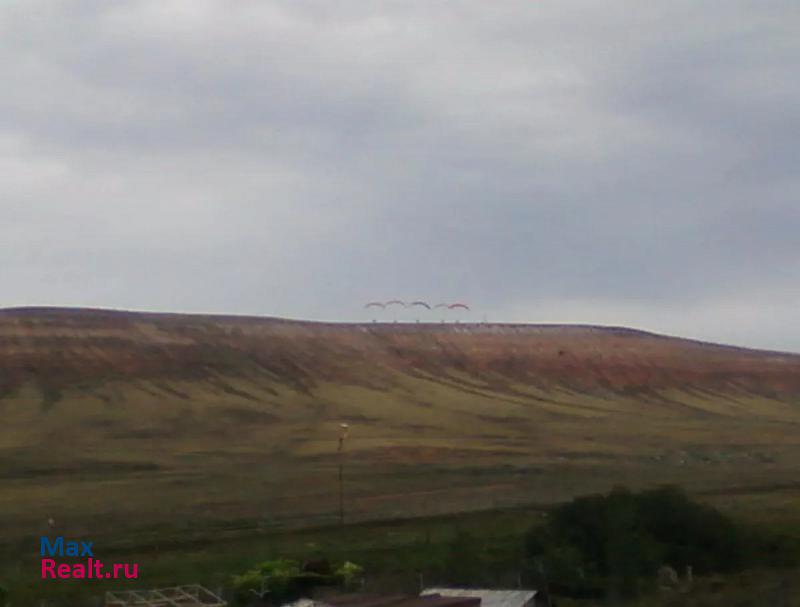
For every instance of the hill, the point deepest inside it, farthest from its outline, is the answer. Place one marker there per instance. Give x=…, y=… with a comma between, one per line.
x=118, y=416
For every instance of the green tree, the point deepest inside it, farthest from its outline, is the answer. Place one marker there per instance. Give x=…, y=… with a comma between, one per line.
x=624, y=537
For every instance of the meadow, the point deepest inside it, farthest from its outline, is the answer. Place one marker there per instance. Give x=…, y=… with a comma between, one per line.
x=399, y=555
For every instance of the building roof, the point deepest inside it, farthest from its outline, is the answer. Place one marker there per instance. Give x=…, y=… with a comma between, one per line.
x=489, y=598
x=397, y=600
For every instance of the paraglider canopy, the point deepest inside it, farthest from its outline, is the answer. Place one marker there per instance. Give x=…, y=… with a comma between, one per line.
x=421, y=304
x=458, y=305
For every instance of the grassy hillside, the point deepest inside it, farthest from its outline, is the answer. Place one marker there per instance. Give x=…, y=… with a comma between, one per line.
x=117, y=421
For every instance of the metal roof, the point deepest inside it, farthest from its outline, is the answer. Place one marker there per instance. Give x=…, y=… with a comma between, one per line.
x=396, y=600
x=399, y=600
x=489, y=598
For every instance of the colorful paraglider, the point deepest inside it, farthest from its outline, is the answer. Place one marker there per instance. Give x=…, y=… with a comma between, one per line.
x=373, y=305
x=443, y=307
x=396, y=302
x=420, y=304
x=458, y=306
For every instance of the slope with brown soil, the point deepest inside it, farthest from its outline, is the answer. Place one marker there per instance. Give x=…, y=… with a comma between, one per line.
x=238, y=416
x=58, y=348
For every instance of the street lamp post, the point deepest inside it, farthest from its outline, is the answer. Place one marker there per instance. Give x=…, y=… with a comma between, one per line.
x=343, y=429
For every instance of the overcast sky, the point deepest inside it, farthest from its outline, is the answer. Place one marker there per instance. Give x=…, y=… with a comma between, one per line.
x=628, y=162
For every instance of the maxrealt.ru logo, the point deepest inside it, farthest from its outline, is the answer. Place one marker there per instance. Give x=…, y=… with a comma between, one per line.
x=89, y=567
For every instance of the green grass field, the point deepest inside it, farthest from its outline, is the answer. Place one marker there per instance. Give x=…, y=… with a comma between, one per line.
x=398, y=555
x=420, y=448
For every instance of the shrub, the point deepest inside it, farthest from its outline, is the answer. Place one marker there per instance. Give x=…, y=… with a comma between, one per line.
x=284, y=580
x=350, y=575
x=623, y=537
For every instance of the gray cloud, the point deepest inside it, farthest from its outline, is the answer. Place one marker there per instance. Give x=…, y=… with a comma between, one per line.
x=559, y=161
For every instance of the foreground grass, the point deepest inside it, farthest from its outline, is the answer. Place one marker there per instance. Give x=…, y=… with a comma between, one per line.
x=399, y=556
x=394, y=553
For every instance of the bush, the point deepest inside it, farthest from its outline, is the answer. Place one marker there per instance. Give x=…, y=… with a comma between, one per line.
x=285, y=580
x=350, y=575
x=247, y=583
x=622, y=537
